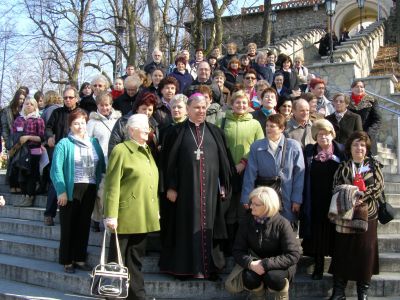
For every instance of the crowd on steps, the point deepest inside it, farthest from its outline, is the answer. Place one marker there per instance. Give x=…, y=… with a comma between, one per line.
x=223, y=155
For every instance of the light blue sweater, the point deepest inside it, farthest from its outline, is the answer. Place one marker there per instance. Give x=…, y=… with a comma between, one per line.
x=63, y=166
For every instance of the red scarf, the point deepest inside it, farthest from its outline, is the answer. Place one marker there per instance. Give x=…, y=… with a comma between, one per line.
x=357, y=98
x=115, y=94
x=234, y=72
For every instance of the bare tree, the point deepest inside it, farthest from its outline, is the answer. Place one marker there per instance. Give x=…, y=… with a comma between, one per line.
x=217, y=27
x=155, y=25
x=62, y=24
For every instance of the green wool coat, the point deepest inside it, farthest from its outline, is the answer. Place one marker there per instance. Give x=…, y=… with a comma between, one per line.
x=240, y=133
x=130, y=190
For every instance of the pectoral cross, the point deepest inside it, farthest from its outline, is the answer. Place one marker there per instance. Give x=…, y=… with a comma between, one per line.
x=198, y=152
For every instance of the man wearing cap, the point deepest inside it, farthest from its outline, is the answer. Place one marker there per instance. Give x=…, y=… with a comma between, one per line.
x=197, y=175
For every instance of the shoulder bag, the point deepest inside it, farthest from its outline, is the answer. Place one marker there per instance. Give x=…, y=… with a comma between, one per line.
x=110, y=280
x=386, y=212
x=274, y=182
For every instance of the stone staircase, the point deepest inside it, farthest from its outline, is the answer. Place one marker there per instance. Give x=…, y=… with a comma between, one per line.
x=387, y=63
x=29, y=255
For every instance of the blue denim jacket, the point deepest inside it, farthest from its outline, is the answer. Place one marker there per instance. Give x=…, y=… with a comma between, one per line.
x=261, y=162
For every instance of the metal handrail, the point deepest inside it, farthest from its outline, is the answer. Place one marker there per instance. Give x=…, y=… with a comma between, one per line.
x=393, y=111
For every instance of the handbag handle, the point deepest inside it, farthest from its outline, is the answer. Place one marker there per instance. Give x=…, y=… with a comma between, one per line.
x=103, y=249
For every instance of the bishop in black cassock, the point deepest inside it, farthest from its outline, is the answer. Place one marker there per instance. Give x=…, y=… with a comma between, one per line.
x=197, y=175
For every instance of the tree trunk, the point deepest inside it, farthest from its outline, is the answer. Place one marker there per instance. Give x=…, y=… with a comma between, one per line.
x=266, y=27
x=154, y=27
x=197, y=29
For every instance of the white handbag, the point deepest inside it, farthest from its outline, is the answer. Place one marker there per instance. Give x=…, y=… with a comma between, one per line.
x=110, y=280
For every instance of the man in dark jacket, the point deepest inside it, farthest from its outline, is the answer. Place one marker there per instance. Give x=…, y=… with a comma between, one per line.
x=124, y=103
x=56, y=129
x=204, y=78
x=156, y=63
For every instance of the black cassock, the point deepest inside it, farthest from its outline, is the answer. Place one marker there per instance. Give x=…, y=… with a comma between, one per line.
x=195, y=220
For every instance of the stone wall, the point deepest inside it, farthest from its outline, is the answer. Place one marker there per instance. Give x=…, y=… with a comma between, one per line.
x=243, y=29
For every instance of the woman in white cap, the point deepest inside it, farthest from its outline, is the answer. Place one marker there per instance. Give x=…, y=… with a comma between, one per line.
x=131, y=199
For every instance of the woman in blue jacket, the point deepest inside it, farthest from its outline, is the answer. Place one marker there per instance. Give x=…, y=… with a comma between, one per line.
x=265, y=164
x=76, y=171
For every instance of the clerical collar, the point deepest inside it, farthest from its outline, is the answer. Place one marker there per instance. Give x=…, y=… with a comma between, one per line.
x=194, y=123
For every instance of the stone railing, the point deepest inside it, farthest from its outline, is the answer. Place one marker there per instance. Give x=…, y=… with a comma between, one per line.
x=281, y=5
x=353, y=59
x=303, y=45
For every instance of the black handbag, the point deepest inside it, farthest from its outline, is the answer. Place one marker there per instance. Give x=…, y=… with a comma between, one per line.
x=110, y=280
x=386, y=212
x=22, y=159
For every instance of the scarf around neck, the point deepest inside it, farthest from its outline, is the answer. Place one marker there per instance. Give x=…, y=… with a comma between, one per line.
x=86, y=153
x=324, y=155
x=357, y=98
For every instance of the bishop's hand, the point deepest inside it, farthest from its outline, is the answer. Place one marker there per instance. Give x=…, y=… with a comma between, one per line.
x=172, y=195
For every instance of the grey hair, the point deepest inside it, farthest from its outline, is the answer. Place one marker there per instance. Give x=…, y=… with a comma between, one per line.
x=100, y=78
x=133, y=79
x=178, y=98
x=195, y=98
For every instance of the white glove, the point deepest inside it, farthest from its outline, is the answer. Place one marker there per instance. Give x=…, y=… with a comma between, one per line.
x=110, y=223
x=2, y=201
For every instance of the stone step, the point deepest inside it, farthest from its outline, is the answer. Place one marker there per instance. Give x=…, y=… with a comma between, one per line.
x=25, y=213
x=392, y=188
x=37, y=229
x=51, y=276
x=13, y=290
x=47, y=250
x=393, y=227
x=40, y=200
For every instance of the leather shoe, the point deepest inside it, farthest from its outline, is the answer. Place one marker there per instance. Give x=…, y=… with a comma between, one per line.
x=69, y=269
x=83, y=266
x=48, y=221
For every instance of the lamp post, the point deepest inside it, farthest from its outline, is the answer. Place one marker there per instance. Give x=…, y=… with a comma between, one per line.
x=120, y=28
x=168, y=30
x=272, y=18
x=330, y=8
x=360, y=4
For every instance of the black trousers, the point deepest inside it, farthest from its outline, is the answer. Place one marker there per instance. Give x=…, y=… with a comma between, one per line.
x=133, y=248
x=28, y=181
x=273, y=279
x=75, y=224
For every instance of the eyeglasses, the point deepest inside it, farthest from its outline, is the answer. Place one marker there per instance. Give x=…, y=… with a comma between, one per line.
x=68, y=97
x=256, y=204
x=250, y=78
x=98, y=85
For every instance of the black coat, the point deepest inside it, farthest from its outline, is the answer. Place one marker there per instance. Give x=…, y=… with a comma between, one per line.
x=274, y=242
x=348, y=124
x=88, y=104
x=260, y=117
x=216, y=91
x=124, y=103
x=264, y=73
x=57, y=125
x=371, y=118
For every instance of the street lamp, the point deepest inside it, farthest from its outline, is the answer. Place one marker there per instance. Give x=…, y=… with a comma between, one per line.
x=272, y=18
x=361, y=4
x=168, y=31
x=330, y=8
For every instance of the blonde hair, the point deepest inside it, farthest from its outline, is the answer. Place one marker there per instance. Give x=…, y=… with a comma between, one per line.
x=239, y=94
x=33, y=102
x=269, y=198
x=322, y=124
x=52, y=97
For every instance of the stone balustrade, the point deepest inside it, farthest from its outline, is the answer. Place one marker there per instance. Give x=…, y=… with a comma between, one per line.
x=303, y=45
x=353, y=59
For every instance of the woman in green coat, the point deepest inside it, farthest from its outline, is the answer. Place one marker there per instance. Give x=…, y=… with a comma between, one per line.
x=131, y=200
x=241, y=130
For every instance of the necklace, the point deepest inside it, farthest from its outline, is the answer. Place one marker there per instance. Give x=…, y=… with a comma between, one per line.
x=198, y=152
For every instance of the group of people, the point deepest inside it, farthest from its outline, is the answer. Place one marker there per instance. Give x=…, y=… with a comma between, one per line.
x=230, y=156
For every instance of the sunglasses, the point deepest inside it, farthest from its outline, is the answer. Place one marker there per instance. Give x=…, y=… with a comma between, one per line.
x=68, y=97
x=250, y=78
